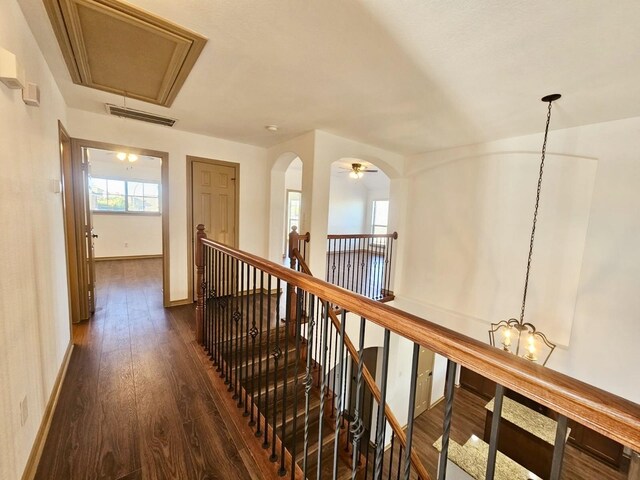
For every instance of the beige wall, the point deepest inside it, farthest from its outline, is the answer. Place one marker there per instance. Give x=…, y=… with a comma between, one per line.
x=602, y=260
x=34, y=314
x=179, y=144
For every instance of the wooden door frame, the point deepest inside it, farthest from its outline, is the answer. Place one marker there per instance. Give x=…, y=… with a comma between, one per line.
x=191, y=232
x=68, y=222
x=78, y=144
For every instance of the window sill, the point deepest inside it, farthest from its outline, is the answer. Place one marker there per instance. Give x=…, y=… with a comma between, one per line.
x=135, y=214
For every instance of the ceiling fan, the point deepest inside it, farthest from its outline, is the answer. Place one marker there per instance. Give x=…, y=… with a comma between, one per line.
x=357, y=170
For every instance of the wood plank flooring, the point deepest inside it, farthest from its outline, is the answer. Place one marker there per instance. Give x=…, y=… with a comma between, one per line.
x=136, y=403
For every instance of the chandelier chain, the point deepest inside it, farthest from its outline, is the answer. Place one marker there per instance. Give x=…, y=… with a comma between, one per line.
x=535, y=214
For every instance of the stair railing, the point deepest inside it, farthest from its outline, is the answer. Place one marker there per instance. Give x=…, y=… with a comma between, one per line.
x=362, y=263
x=357, y=428
x=272, y=367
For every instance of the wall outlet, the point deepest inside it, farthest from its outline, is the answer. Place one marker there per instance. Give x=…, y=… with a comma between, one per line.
x=24, y=411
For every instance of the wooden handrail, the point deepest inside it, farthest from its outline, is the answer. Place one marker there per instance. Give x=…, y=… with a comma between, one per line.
x=611, y=415
x=393, y=235
x=370, y=381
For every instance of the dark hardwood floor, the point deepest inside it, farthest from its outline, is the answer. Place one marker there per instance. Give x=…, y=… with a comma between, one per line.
x=136, y=402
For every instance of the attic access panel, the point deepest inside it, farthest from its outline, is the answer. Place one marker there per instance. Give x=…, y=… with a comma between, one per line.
x=118, y=48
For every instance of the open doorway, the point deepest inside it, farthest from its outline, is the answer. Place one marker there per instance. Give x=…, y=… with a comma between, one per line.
x=293, y=208
x=116, y=208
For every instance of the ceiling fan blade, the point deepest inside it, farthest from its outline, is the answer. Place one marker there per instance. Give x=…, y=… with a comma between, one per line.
x=369, y=171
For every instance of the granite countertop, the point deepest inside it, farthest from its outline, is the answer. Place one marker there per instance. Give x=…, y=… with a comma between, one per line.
x=527, y=419
x=472, y=458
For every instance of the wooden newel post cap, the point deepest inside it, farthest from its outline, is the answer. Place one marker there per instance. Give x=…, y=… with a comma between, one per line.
x=200, y=228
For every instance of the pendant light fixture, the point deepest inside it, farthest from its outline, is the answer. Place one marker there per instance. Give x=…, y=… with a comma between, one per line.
x=517, y=336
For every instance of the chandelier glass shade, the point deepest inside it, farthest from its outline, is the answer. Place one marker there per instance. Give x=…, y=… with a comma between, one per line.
x=514, y=335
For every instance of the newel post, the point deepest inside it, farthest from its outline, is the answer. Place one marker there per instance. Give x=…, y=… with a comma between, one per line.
x=199, y=256
x=294, y=242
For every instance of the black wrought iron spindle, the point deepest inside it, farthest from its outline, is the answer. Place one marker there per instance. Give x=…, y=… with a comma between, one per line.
x=285, y=375
x=298, y=328
x=381, y=423
x=357, y=427
x=277, y=353
x=339, y=392
x=323, y=388
x=265, y=444
x=246, y=314
x=448, y=412
x=558, y=448
x=254, y=333
x=495, y=432
x=308, y=382
x=258, y=429
x=410, y=414
x=393, y=439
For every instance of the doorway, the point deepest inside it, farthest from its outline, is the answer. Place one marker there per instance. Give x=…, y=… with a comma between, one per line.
x=83, y=195
x=213, y=201
x=423, y=384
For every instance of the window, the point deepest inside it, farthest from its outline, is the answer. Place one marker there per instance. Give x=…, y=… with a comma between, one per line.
x=112, y=195
x=380, y=216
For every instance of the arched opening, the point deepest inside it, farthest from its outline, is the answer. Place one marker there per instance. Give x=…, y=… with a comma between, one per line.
x=287, y=203
x=358, y=241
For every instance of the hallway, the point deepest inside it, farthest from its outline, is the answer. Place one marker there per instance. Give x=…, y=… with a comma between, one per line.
x=136, y=402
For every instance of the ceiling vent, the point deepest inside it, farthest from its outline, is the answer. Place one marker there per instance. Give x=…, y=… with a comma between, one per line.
x=125, y=112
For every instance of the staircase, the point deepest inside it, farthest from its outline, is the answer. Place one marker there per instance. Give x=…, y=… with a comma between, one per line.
x=281, y=398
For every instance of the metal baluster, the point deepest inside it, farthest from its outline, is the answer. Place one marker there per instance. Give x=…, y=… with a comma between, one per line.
x=357, y=427
x=366, y=462
x=277, y=353
x=448, y=411
x=400, y=457
x=323, y=388
x=265, y=444
x=298, y=329
x=238, y=314
x=258, y=431
x=253, y=332
x=328, y=365
x=246, y=315
x=411, y=413
x=228, y=320
x=558, y=448
x=393, y=438
x=363, y=277
x=335, y=371
x=285, y=375
x=308, y=382
x=381, y=423
x=339, y=392
x=495, y=431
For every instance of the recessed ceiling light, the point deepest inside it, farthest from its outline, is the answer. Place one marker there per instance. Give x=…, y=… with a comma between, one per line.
x=271, y=128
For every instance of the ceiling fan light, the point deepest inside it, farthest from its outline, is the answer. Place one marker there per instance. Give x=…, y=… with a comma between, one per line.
x=121, y=155
x=360, y=174
x=354, y=175
x=132, y=157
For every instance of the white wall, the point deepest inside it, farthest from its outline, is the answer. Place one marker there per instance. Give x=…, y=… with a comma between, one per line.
x=122, y=235
x=34, y=313
x=603, y=266
x=253, y=180
x=347, y=205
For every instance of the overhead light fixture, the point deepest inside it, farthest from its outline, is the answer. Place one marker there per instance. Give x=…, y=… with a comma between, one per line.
x=122, y=156
x=271, y=128
x=517, y=336
x=358, y=170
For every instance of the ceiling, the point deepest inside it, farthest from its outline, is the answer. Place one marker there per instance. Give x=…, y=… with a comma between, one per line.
x=410, y=76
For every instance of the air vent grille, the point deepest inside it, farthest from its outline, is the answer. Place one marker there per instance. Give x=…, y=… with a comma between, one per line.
x=140, y=115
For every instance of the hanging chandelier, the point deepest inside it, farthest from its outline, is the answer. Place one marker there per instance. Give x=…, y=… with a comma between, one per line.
x=515, y=335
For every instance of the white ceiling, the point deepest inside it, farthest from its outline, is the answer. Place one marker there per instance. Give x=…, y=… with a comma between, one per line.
x=409, y=76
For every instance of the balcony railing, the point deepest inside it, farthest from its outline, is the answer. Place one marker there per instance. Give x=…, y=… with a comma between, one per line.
x=362, y=263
